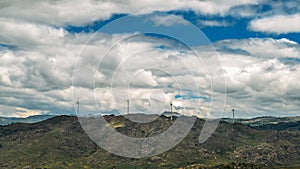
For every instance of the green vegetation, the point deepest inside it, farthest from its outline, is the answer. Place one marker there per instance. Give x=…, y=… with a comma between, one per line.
x=60, y=142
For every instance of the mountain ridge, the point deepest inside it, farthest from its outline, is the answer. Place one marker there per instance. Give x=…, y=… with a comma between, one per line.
x=255, y=121
x=60, y=142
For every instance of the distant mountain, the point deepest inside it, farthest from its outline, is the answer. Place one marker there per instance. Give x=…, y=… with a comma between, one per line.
x=30, y=119
x=60, y=142
x=171, y=114
x=265, y=120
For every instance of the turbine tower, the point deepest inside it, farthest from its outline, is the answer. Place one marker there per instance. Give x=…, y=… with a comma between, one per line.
x=77, y=106
x=128, y=106
x=171, y=110
x=233, y=120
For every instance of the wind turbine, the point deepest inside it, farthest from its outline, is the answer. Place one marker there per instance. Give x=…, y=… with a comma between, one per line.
x=77, y=102
x=233, y=120
x=127, y=106
x=171, y=110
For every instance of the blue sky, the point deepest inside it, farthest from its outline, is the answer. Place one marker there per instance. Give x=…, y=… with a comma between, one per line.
x=237, y=27
x=255, y=49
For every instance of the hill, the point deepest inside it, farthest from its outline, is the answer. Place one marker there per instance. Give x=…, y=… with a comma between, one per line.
x=265, y=120
x=30, y=119
x=60, y=142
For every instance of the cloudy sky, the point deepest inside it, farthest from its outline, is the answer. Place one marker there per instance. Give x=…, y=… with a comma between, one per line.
x=99, y=51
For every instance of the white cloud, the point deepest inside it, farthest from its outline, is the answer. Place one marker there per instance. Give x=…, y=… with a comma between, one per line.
x=22, y=112
x=245, y=11
x=213, y=23
x=262, y=47
x=37, y=75
x=143, y=68
x=258, y=80
x=167, y=20
x=143, y=78
x=59, y=12
x=218, y=7
x=256, y=77
x=278, y=24
x=265, y=8
x=78, y=13
x=24, y=34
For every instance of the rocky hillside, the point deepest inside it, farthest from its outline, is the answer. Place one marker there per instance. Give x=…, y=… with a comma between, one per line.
x=60, y=142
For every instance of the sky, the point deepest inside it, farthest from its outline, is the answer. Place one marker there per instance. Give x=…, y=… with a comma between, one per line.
x=206, y=57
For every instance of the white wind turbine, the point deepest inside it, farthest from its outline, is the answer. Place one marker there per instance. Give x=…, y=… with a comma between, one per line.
x=77, y=103
x=171, y=110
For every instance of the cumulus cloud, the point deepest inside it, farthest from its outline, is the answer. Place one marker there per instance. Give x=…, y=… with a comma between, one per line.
x=38, y=79
x=38, y=56
x=261, y=47
x=265, y=8
x=148, y=75
x=22, y=112
x=167, y=20
x=24, y=34
x=256, y=78
x=278, y=24
x=213, y=23
x=143, y=78
x=78, y=13
x=36, y=74
x=215, y=7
